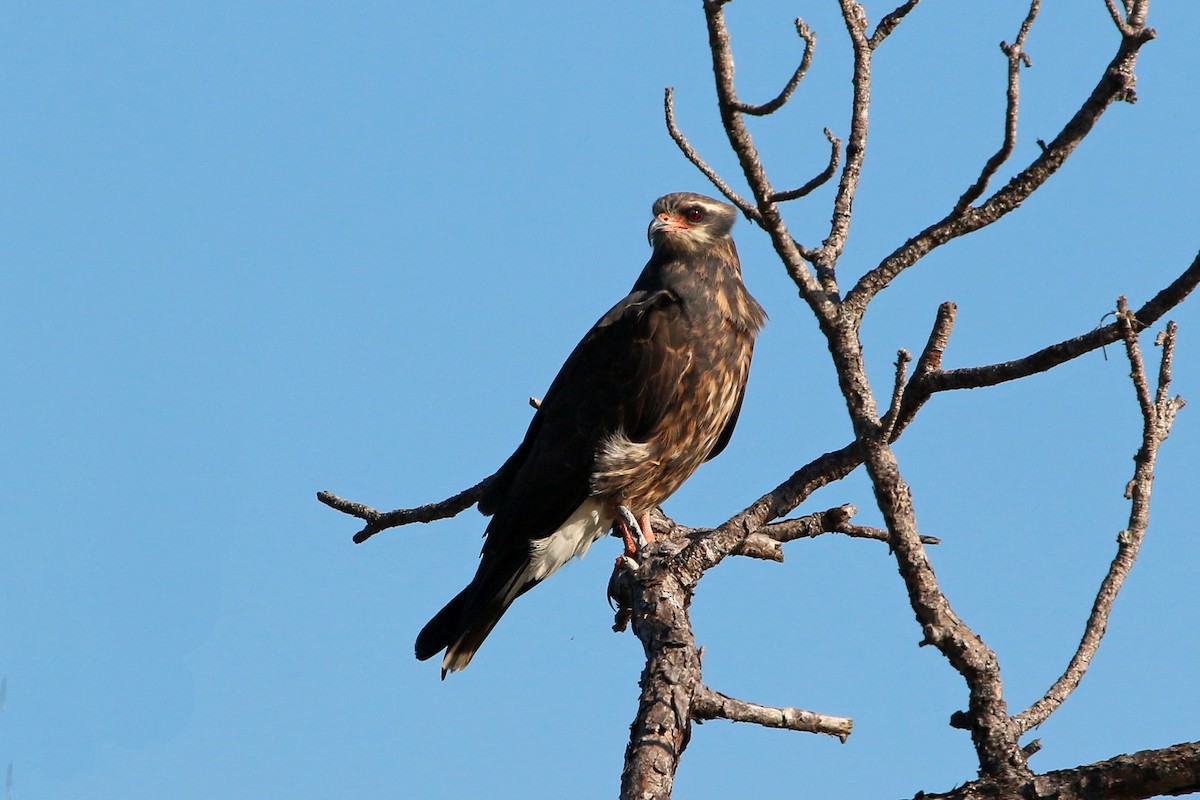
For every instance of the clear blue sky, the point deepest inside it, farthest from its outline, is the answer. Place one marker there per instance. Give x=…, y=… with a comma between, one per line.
x=254, y=250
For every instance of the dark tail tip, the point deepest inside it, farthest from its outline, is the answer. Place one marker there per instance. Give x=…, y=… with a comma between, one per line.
x=440, y=631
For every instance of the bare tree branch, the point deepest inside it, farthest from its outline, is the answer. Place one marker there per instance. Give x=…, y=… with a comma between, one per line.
x=1016, y=57
x=992, y=731
x=1116, y=16
x=379, y=521
x=888, y=23
x=708, y=704
x=658, y=607
x=903, y=359
x=690, y=153
x=1158, y=413
x=1117, y=83
x=766, y=542
x=856, y=145
x=926, y=382
x=1148, y=773
x=835, y=156
x=770, y=107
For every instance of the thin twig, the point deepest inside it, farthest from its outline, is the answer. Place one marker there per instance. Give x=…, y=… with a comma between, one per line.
x=690, y=153
x=1122, y=26
x=856, y=144
x=379, y=521
x=888, y=23
x=1016, y=55
x=835, y=157
x=888, y=424
x=928, y=363
x=771, y=106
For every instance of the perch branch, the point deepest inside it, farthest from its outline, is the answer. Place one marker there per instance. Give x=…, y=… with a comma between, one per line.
x=707, y=551
x=767, y=541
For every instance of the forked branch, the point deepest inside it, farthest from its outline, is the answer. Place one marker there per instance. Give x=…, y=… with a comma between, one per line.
x=1115, y=84
x=380, y=521
x=1158, y=414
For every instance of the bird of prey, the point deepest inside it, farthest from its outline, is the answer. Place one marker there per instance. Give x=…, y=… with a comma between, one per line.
x=651, y=392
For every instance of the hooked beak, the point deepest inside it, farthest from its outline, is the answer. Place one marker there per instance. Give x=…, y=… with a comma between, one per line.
x=664, y=222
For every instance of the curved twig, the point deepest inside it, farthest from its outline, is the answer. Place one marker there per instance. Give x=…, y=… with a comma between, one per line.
x=835, y=157
x=790, y=252
x=771, y=106
x=690, y=153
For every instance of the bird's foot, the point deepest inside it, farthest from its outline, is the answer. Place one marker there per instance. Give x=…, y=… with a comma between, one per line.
x=647, y=528
x=635, y=533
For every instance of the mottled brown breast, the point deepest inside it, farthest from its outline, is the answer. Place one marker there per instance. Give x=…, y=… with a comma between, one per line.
x=642, y=474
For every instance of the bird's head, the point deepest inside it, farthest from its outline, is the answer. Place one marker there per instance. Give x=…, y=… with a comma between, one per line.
x=685, y=221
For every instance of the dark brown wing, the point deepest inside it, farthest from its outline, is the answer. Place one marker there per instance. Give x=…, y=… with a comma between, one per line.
x=622, y=376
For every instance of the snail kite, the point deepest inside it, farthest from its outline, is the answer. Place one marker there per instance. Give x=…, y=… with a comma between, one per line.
x=652, y=391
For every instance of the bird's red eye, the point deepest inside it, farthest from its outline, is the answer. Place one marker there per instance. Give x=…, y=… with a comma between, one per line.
x=693, y=215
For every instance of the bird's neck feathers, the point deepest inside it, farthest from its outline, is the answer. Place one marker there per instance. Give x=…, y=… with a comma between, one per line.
x=708, y=277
